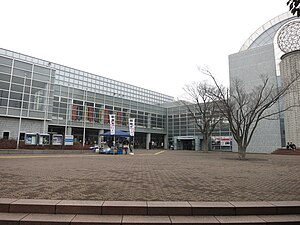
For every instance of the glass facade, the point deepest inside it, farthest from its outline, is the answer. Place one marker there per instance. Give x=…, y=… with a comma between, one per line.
x=265, y=34
x=71, y=101
x=181, y=124
x=77, y=79
x=25, y=86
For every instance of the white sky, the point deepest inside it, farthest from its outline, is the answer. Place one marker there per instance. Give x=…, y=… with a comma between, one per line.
x=154, y=44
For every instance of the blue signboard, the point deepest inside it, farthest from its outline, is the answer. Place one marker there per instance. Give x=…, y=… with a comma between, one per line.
x=69, y=139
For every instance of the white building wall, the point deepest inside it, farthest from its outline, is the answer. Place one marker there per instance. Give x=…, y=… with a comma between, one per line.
x=248, y=66
x=11, y=125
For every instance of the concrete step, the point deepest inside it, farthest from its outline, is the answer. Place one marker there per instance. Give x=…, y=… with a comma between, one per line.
x=157, y=208
x=73, y=219
x=44, y=212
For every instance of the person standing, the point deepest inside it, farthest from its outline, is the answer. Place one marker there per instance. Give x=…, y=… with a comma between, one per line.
x=125, y=146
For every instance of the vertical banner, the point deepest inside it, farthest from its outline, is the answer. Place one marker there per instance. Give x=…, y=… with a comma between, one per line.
x=131, y=126
x=112, y=124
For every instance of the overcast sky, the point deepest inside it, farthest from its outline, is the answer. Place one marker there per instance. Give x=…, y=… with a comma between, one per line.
x=154, y=44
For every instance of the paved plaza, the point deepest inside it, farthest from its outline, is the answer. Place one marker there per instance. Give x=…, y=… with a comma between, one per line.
x=151, y=175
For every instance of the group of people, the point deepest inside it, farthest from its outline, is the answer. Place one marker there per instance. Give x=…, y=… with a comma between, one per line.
x=291, y=145
x=123, y=144
x=127, y=146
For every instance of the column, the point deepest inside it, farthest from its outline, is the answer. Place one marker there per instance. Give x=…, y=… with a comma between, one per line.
x=69, y=131
x=197, y=144
x=166, y=143
x=99, y=136
x=148, y=139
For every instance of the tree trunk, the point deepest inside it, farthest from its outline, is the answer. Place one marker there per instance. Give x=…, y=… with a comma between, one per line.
x=241, y=151
x=205, y=144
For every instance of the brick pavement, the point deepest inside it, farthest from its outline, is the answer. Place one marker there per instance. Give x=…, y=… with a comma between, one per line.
x=169, y=176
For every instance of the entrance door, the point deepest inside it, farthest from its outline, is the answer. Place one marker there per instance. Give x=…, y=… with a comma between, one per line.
x=188, y=144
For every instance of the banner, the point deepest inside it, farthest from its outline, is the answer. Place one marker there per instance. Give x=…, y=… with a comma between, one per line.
x=112, y=124
x=131, y=126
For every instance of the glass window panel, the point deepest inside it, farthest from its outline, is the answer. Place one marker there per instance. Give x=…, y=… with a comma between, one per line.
x=5, y=61
x=15, y=104
x=3, y=101
x=63, y=105
x=18, y=80
x=23, y=65
x=14, y=95
x=18, y=88
x=3, y=94
x=36, y=102
x=5, y=69
x=28, y=82
x=41, y=77
x=27, y=89
x=62, y=111
x=21, y=73
x=5, y=77
x=25, y=105
x=55, y=110
x=42, y=70
x=63, y=99
x=4, y=85
x=26, y=97
x=39, y=84
x=78, y=102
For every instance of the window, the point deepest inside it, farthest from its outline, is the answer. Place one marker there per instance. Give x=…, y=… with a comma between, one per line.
x=22, y=136
x=5, y=69
x=15, y=95
x=17, y=88
x=5, y=135
x=5, y=61
x=4, y=77
x=23, y=65
x=4, y=85
x=3, y=101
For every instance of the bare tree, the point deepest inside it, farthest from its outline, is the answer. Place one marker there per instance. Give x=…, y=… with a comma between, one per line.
x=245, y=109
x=294, y=6
x=203, y=109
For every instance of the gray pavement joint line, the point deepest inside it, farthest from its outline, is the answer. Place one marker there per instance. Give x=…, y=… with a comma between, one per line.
x=276, y=207
x=234, y=207
x=27, y=214
x=73, y=218
x=217, y=219
x=9, y=205
x=157, y=153
x=55, y=206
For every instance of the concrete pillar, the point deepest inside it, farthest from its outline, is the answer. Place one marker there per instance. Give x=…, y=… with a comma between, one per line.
x=69, y=131
x=175, y=143
x=166, y=143
x=149, y=121
x=197, y=144
x=148, y=139
x=99, y=136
